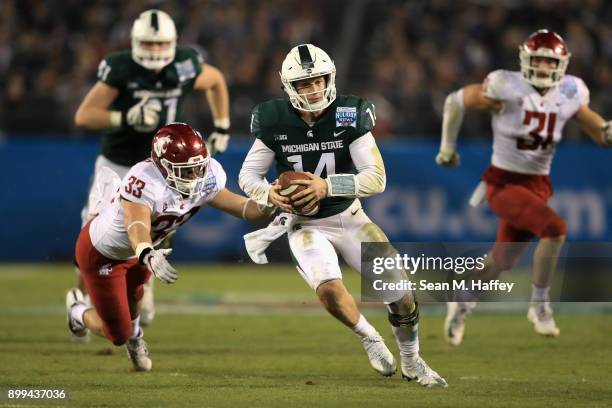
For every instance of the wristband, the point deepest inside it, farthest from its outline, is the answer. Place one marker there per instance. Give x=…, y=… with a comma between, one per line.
x=117, y=119
x=142, y=250
x=222, y=123
x=223, y=131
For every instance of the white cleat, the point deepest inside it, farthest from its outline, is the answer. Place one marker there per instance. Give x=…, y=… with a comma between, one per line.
x=139, y=354
x=379, y=355
x=454, y=324
x=541, y=315
x=147, y=307
x=417, y=369
x=78, y=332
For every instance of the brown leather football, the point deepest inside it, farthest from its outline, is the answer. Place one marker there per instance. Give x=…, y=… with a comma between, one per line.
x=289, y=190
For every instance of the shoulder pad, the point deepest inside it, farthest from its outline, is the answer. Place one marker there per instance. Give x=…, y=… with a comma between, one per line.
x=189, y=52
x=572, y=86
x=270, y=112
x=115, y=67
x=498, y=84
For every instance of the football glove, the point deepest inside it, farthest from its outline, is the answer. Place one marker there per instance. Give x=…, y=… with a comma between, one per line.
x=155, y=260
x=144, y=116
x=218, y=140
x=607, y=133
x=448, y=158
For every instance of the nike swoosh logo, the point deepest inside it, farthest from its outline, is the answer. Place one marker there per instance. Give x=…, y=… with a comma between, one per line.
x=339, y=133
x=355, y=212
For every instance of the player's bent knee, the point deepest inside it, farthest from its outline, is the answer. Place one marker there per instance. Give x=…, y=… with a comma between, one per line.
x=118, y=333
x=403, y=320
x=555, y=227
x=504, y=259
x=330, y=290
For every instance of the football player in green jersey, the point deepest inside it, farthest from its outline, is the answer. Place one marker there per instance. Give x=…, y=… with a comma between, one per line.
x=330, y=138
x=137, y=92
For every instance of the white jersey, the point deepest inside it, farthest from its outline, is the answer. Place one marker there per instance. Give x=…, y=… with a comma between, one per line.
x=529, y=126
x=144, y=184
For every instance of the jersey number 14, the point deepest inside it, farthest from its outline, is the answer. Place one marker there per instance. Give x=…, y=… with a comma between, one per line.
x=326, y=162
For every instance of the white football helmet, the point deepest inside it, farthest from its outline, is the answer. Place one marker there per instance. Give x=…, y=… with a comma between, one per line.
x=153, y=26
x=307, y=61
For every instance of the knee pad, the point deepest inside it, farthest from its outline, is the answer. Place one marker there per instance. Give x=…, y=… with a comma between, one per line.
x=410, y=319
x=555, y=227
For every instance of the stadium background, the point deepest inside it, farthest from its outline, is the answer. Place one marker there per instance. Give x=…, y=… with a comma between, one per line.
x=405, y=56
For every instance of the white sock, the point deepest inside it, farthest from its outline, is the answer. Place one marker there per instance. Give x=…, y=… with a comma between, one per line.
x=407, y=338
x=539, y=294
x=77, y=311
x=136, y=331
x=363, y=328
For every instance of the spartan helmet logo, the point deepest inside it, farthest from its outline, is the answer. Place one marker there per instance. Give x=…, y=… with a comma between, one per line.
x=161, y=145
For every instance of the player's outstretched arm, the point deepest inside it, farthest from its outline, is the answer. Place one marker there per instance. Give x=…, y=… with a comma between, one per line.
x=471, y=97
x=240, y=206
x=595, y=126
x=212, y=81
x=137, y=219
x=93, y=112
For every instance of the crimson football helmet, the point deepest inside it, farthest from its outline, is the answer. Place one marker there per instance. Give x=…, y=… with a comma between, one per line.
x=544, y=43
x=180, y=154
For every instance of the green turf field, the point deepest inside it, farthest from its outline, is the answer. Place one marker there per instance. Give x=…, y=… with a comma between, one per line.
x=246, y=336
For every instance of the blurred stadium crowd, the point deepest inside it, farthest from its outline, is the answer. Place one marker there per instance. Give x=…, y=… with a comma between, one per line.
x=405, y=55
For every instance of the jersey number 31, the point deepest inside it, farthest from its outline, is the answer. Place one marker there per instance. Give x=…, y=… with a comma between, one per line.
x=543, y=119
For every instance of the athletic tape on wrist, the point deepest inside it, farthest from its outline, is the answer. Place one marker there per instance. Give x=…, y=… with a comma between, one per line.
x=341, y=185
x=142, y=249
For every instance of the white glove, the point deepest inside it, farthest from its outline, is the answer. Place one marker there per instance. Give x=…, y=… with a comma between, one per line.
x=144, y=116
x=607, y=133
x=217, y=141
x=448, y=158
x=156, y=262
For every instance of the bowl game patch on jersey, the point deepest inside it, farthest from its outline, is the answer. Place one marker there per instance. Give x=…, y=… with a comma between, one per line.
x=346, y=116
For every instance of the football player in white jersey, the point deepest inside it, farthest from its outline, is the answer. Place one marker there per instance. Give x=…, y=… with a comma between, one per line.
x=138, y=91
x=116, y=251
x=529, y=109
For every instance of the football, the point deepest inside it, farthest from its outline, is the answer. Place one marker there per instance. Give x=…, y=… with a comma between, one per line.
x=289, y=190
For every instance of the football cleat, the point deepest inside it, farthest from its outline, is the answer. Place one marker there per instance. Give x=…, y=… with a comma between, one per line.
x=541, y=315
x=139, y=353
x=78, y=332
x=454, y=324
x=379, y=355
x=147, y=307
x=417, y=369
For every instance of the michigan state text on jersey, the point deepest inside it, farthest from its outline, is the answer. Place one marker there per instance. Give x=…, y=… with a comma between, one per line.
x=323, y=148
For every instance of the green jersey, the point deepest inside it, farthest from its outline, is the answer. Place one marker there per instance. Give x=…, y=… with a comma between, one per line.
x=321, y=148
x=168, y=89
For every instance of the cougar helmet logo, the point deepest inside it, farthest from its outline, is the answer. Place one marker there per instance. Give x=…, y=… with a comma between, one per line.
x=161, y=144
